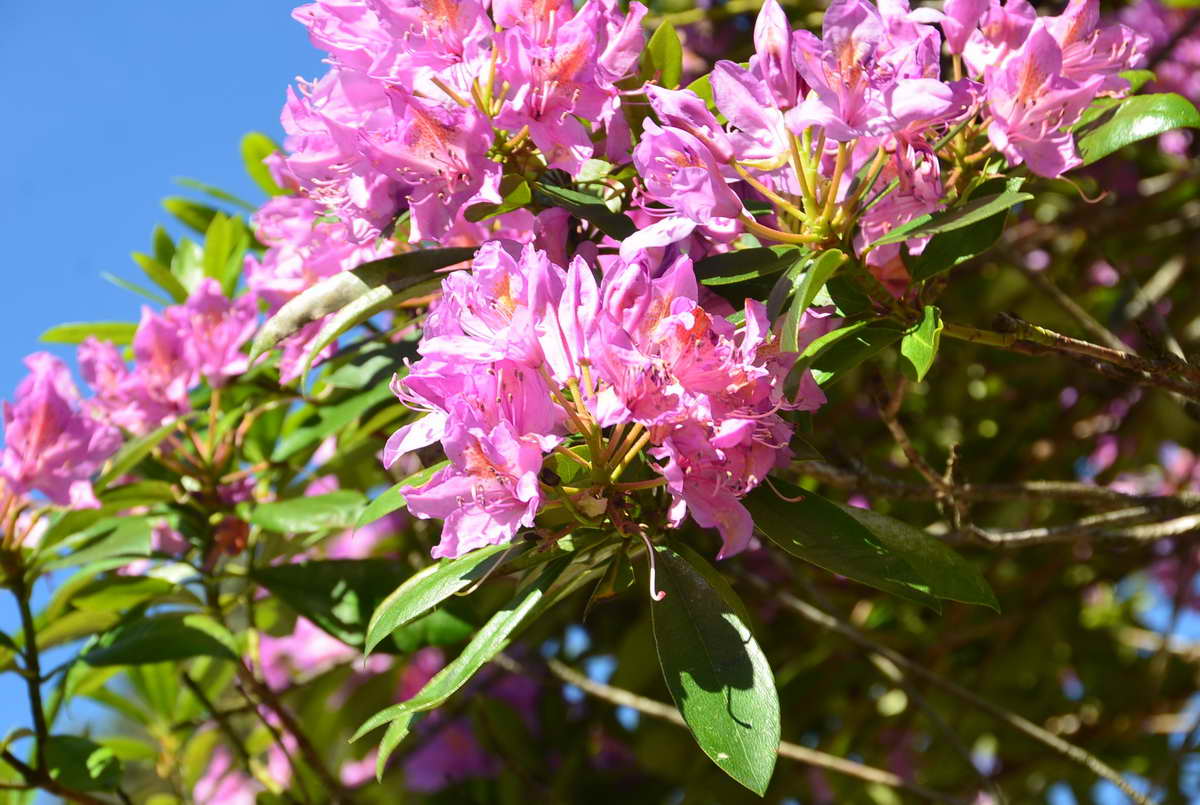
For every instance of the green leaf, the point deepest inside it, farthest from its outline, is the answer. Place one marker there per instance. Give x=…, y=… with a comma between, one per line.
x=116, y=593
x=132, y=453
x=617, y=226
x=812, y=280
x=851, y=350
x=256, y=147
x=215, y=192
x=340, y=595
x=514, y=194
x=1133, y=119
x=745, y=264
x=159, y=638
x=975, y=210
x=133, y=287
x=393, y=277
x=716, y=672
x=191, y=214
x=188, y=264
x=428, y=588
x=161, y=276
x=391, y=500
x=866, y=546
x=80, y=764
x=118, y=332
x=946, y=250
x=327, y=419
x=489, y=641
x=305, y=515
x=164, y=246
x=1138, y=78
x=919, y=346
x=662, y=60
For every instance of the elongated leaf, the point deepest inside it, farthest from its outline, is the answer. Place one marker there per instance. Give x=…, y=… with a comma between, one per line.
x=663, y=57
x=132, y=453
x=514, y=194
x=813, y=280
x=215, y=192
x=617, y=226
x=305, y=515
x=116, y=593
x=327, y=419
x=81, y=764
x=946, y=250
x=391, y=500
x=973, y=211
x=118, y=332
x=745, y=264
x=716, y=672
x=133, y=287
x=193, y=214
x=866, y=546
x=919, y=346
x=400, y=273
x=256, y=147
x=489, y=641
x=340, y=595
x=160, y=638
x=428, y=588
x=1133, y=119
x=851, y=350
x=161, y=276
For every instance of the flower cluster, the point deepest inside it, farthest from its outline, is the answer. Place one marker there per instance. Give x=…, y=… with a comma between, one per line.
x=426, y=104
x=522, y=358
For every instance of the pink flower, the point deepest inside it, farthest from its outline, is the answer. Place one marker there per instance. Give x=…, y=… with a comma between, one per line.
x=680, y=171
x=52, y=444
x=223, y=784
x=214, y=329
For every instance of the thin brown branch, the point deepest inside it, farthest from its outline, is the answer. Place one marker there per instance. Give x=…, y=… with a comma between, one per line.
x=1072, y=308
x=1068, y=750
x=812, y=757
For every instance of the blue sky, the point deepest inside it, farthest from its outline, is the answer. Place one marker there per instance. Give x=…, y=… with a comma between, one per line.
x=104, y=104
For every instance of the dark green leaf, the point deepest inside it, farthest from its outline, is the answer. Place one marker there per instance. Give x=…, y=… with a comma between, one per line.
x=118, y=332
x=617, y=226
x=866, y=546
x=393, y=277
x=975, y=210
x=132, y=453
x=305, y=515
x=812, y=280
x=514, y=194
x=490, y=640
x=745, y=264
x=327, y=419
x=164, y=246
x=116, y=593
x=949, y=249
x=391, y=500
x=256, y=147
x=715, y=670
x=662, y=60
x=851, y=350
x=428, y=588
x=919, y=346
x=1133, y=119
x=159, y=638
x=80, y=764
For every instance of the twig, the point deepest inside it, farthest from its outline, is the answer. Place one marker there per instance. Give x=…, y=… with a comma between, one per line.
x=1069, y=750
x=40, y=779
x=1072, y=308
x=1102, y=527
x=656, y=709
x=32, y=670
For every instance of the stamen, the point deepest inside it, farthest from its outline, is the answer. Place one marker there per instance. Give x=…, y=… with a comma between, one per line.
x=780, y=495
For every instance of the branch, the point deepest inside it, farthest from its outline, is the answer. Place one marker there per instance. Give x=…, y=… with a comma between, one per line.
x=1121, y=525
x=1068, y=750
x=32, y=670
x=656, y=709
x=1072, y=308
x=40, y=779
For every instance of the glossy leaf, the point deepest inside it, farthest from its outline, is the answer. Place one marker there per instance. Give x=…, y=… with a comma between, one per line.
x=326, y=419
x=919, y=346
x=742, y=265
x=662, y=60
x=1133, y=119
x=118, y=332
x=811, y=281
x=407, y=273
x=975, y=210
x=160, y=638
x=866, y=546
x=161, y=275
x=514, y=194
x=716, y=672
x=305, y=515
x=192, y=214
x=851, y=350
x=391, y=500
x=428, y=588
x=489, y=641
x=617, y=226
